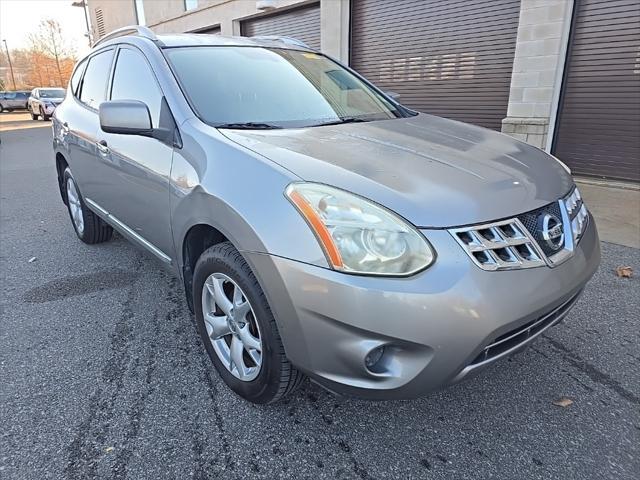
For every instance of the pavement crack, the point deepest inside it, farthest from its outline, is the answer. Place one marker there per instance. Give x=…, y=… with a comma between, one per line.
x=592, y=372
x=198, y=437
x=132, y=432
x=85, y=451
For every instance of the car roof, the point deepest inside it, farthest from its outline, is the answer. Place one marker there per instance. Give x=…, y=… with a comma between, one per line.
x=202, y=39
x=199, y=39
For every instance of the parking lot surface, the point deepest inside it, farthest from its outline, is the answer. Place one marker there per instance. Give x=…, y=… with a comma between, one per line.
x=102, y=375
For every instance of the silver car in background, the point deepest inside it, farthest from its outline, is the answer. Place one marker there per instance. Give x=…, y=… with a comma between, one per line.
x=43, y=102
x=319, y=227
x=10, y=101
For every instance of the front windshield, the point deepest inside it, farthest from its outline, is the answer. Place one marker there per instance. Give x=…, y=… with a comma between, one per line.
x=272, y=87
x=52, y=93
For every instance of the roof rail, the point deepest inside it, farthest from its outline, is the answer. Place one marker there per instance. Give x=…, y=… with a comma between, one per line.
x=129, y=30
x=283, y=39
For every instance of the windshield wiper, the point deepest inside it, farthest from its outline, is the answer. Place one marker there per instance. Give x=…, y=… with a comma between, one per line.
x=249, y=125
x=341, y=120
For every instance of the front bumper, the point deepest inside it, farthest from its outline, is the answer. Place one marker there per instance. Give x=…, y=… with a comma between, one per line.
x=49, y=109
x=436, y=326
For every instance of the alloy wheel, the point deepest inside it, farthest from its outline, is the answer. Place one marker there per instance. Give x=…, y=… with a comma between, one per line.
x=75, y=206
x=232, y=327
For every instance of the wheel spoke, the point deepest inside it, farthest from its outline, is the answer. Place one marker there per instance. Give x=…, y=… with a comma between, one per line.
x=216, y=326
x=236, y=357
x=215, y=288
x=240, y=311
x=237, y=296
x=249, y=341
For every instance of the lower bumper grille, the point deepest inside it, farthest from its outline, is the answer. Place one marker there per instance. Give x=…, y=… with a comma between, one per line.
x=518, y=337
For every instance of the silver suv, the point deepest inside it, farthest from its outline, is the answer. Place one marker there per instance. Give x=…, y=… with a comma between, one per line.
x=320, y=228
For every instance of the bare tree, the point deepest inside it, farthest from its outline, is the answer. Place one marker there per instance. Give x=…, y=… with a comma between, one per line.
x=50, y=41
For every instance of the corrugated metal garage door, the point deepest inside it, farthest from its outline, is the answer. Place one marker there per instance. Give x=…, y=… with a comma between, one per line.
x=213, y=30
x=598, y=128
x=451, y=58
x=301, y=23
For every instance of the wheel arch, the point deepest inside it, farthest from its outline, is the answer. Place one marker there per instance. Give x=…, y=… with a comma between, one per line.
x=61, y=165
x=198, y=238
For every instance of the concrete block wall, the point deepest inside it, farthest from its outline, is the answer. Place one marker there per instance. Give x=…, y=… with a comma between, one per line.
x=537, y=70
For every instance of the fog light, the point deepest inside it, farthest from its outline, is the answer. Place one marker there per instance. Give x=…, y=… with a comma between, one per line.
x=373, y=357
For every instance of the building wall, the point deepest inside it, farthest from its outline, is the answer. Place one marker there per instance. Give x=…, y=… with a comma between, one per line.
x=227, y=14
x=115, y=14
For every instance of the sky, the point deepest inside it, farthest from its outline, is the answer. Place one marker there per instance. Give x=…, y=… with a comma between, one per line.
x=20, y=17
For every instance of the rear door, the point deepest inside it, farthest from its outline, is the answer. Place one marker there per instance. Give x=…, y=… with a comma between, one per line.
x=135, y=172
x=80, y=121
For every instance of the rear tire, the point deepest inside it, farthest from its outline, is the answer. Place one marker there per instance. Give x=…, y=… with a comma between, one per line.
x=276, y=376
x=89, y=227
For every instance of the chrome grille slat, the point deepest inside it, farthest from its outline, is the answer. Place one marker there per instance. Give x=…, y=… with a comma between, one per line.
x=485, y=252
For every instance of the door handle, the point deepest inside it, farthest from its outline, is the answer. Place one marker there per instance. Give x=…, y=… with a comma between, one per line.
x=102, y=147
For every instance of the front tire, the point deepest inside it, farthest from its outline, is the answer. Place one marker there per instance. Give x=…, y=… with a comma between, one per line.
x=34, y=116
x=88, y=226
x=43, y=115
x=238, y=328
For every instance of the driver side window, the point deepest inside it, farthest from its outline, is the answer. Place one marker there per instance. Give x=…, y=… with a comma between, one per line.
x=134, y=80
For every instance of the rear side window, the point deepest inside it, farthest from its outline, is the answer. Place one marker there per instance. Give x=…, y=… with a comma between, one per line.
x=77, y=75
x=94, y=83
x=134, y=80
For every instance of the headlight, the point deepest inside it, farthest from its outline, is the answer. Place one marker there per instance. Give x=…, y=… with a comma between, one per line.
x=359, y=236
x=577, y=211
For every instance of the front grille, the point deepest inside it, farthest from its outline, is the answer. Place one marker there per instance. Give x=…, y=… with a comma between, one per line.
x=499, y=246
x=521, y=335
x=530, y=222
x=545, y=236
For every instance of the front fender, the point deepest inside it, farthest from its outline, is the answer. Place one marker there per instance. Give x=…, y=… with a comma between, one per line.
x=240, y=193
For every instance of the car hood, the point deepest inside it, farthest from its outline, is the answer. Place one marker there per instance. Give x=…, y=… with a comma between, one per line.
x=433, y=171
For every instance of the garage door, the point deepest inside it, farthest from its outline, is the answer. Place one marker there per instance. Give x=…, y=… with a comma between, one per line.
x=301, y=23
x=598, y=128
x=212, y=30
x=445, y=57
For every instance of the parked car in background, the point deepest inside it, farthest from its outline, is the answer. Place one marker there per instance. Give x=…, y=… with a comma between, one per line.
x=18, y=100
x=320, y=228
x=43, y=102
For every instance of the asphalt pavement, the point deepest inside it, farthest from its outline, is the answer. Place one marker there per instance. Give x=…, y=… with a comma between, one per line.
x=102, y=375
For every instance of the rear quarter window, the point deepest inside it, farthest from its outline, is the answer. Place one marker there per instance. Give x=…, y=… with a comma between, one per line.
x=77, y=75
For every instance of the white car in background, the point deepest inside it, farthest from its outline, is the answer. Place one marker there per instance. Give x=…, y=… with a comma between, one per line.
x=43, y=102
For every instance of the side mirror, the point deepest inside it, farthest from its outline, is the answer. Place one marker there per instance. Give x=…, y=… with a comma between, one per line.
x=127, y=117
